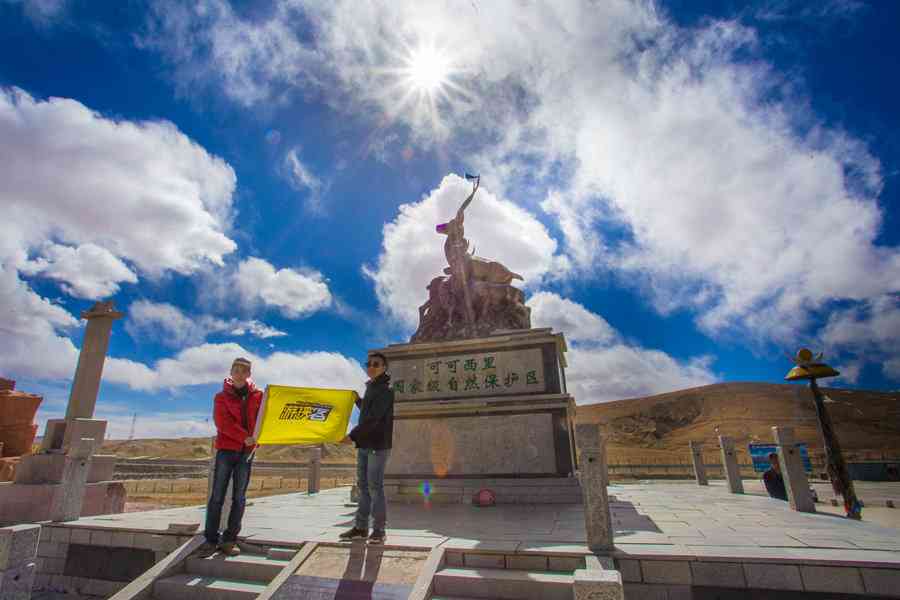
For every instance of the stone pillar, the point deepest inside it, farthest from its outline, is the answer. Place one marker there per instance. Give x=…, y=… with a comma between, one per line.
x=65, y=505
x=18, y=549
x=730, y=465
x=792, y=470
x=697, y=460
x=86, y=384
x=591, y=447
x=598, y=585
x=315, y=471
x=226, y=507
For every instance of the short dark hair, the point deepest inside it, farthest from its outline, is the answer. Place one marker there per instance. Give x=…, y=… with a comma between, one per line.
x=773, y=455
x=381, y=356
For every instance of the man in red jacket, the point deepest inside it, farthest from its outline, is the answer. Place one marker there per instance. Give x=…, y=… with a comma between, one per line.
x=235, y=411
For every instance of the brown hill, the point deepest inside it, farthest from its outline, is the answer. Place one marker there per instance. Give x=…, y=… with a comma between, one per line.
x=184, y=448
x=867, y=423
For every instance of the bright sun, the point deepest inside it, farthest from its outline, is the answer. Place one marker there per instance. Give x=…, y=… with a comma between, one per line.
x=427, y=70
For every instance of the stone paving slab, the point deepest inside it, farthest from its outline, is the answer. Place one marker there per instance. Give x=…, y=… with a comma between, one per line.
x=653, y=520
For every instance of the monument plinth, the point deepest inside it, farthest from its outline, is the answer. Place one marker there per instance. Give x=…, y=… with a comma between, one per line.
x=489, y=412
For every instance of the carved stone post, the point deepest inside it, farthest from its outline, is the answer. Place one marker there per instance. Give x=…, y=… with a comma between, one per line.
x=65, y=505
x=697, y=460
x=730, y=465
x=18, y=549
x=315, y=471
x=792, y=470
x=86, y=383
x=591, y=447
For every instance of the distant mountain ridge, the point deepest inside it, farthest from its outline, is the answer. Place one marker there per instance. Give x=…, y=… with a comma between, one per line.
x=867, y=422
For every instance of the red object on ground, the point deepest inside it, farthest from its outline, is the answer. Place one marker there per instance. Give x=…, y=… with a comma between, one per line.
x=484, y=497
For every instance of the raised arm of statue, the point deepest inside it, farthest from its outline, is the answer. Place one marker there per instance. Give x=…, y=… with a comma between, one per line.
x=460, y=214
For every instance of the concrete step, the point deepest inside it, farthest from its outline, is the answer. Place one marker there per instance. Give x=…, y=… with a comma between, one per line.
x=248, y=567
x=187, y=586
x=503, y=584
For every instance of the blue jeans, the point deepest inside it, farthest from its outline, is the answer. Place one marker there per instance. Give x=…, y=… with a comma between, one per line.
x=233, y=465
x=370, y=466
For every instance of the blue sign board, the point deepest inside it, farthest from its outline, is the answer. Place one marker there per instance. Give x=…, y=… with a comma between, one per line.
x=759, y=454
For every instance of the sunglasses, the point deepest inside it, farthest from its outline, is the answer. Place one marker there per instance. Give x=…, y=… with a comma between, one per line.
x=375, y=364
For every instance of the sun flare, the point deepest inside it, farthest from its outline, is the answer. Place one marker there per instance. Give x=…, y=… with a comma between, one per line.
x=427, y=70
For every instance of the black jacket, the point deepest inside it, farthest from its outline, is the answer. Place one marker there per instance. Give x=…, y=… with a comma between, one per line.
x=375, y=430
x=774, y=483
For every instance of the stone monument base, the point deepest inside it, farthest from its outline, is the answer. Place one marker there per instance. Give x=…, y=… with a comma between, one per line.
x=483, y=413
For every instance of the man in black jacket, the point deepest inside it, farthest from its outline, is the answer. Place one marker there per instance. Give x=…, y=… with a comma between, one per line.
x=373, y=436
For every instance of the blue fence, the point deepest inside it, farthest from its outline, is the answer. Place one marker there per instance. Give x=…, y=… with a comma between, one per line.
x=759, y=454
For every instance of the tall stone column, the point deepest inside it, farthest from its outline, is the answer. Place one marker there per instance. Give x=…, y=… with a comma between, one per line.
x=86, y=384
x=697, y=460
x=591, y=447
x=795, y=481
x=313, y=480
x=730, y=465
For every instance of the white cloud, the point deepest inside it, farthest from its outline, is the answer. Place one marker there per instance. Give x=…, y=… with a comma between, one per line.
x=35, y=345
x=91, y=201
x=87, y=271
x=412, y=251
x=209, y=363
x=302, y=179
x=168, y=324
x=142, y=191
x=295, y=293
x=602, y=365
x=677, y=158
x=257, y=329
x=578, y=323
x=869, y=331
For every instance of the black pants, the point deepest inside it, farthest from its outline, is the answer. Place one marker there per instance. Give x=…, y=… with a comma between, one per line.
x=230, y=464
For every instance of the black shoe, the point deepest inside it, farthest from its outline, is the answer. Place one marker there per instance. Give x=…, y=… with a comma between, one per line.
x=206, y=550
x=354, y=534
x=377, y=538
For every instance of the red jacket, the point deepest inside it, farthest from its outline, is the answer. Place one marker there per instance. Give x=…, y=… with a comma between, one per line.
x=230, y=432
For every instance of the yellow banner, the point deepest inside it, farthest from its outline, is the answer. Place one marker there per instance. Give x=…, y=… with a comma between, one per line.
x=295, y=415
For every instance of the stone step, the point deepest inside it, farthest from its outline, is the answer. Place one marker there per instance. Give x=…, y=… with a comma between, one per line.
x=188, y=586
x=248, y=567
x=503, y=584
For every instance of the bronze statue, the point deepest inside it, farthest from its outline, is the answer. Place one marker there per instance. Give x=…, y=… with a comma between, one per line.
x=477, y=288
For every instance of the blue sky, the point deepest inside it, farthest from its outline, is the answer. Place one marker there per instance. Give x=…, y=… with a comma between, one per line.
x=690, y=189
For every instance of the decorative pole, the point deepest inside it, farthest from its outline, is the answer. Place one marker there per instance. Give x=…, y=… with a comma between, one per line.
x=812, y=368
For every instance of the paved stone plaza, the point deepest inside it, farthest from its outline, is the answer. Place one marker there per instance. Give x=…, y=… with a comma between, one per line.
x=665, y=533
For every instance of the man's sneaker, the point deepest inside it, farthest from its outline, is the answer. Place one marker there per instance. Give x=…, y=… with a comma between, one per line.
x=230, y=549
x=377, y=538
x=354, y=534
x=206, y=550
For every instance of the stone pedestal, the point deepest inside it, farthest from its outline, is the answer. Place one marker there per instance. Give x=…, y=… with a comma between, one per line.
x=730, y=465
x=66, y=505
x=593, y=584
x=18, y=552
x=492, y=409
x=591, y=453
x=697, y=461
x=792, y=471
